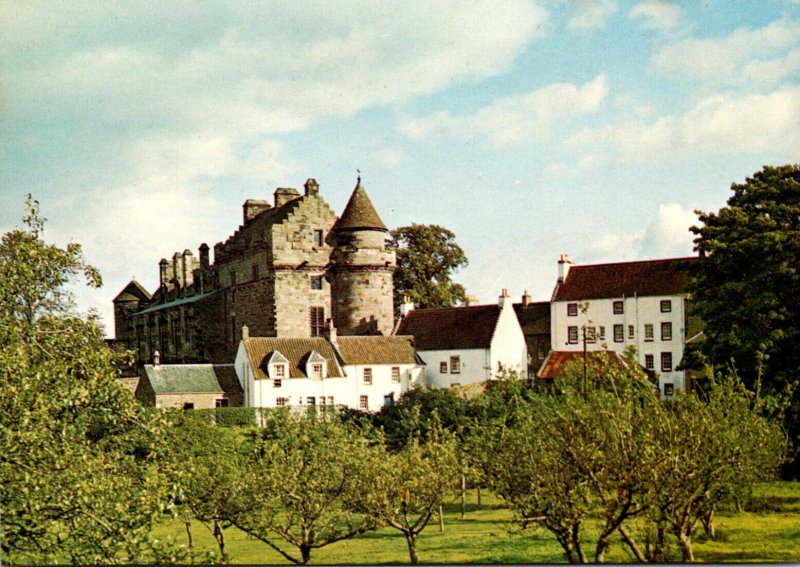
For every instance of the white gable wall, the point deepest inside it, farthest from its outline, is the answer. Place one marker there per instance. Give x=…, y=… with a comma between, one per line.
x=508, y=347
x=476, y=365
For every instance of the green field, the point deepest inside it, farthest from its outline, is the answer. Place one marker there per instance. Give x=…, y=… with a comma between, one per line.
x=768, y=531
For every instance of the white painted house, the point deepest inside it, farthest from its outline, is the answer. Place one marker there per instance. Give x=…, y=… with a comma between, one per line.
x=359, y=372
x=466, y=345
x=614, y=306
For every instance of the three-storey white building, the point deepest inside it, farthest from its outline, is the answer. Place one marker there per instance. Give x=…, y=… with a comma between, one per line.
x=618, y=305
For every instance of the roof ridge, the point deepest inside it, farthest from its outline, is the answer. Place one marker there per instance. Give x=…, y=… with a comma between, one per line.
x=629, y=262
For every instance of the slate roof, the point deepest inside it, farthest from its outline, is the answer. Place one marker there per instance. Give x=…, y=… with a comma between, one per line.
x=534, y=318
x=260, y=349
x=451, y=328
x=174, y=303
x=193, y=378
x=359, y=213
x=553, y=366
x=642, y=278
x=134, y=291
x=377, y=349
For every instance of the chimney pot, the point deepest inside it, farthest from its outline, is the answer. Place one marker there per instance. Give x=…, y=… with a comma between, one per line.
x=156, y=358
x=245, y=332
x=312, y=187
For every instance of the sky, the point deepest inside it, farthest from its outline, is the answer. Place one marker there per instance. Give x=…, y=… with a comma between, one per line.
x=593, y=128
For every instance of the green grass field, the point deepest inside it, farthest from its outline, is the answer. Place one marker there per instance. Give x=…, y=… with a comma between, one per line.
x=768, y=532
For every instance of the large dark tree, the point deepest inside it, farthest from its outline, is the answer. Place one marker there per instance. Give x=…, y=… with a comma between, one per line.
x=747, y=284
x=427, y=257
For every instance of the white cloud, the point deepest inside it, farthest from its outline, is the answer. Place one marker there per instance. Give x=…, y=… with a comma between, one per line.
x=667, y=236
x=745, y=56
x=514, y=119
x=591, y=14
x=658, y=14
x=723, y=124
x=390, y=157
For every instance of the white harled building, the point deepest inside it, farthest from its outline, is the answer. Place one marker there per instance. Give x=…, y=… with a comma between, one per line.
x=617, y=305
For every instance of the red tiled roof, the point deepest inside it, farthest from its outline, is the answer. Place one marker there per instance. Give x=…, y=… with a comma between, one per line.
x=376, y=349
x=642, y=278
x=451, y=328
x=553, y=366
x=260, y=349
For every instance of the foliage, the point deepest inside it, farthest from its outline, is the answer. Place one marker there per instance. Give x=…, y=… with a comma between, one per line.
x=650, y=467
x=303, y=487
x=746, y=284
x=81, y=476
x=427, y=257
x=407, y=487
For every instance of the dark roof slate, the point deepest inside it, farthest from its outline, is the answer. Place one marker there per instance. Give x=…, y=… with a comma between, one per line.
x=359, y=213
x=377, y=349
x=134, y=291
x=451, y=328
x=260, y=349
x=625, y=279
x=534, y=318
x=192, y=378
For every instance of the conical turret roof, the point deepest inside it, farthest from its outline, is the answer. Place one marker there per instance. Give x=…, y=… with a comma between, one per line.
x=359, y=214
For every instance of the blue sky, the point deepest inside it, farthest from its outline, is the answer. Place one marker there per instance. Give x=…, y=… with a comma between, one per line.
x=530, y=129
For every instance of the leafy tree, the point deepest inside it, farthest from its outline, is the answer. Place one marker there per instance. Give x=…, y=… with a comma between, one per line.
x=427, y=257
x=304, y=488
x=79, y=464
x=746, y=284
x=410, y=485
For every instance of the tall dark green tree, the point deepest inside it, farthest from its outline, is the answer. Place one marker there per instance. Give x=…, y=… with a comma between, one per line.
x=746, y=285
x=427, y=257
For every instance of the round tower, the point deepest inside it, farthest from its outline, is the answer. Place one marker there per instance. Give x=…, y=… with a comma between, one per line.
x=361, y=270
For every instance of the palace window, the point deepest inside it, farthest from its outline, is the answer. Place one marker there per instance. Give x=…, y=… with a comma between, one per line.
x=277, y=383
x=311, y=400
x=591, y=334
x=317, y=320
x=368, y=376
x=602, y=333
x=280, y=370
x=666, y=306
x=572, y=309
x=318, y=240
x=669, y=388
x=280, y=402
x=455, y=364
x=363, y=402
x=396, y=374
x=649, y=363
x=619, y=308
x=631, y=331
x=443, y=367
x=648, y=332
x=316, y=282
x=619, y=333
x=666, y=331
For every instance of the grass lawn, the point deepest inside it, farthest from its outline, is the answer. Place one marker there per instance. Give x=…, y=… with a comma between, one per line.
x=768, y=532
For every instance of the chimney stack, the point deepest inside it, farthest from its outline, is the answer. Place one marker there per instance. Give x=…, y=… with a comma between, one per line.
x=407, y=306
x=526, y=298
x=156, y=359
x=252, y=208
x=245, y=332
x=312, y=187
x=204, y=263
x=330, y=331
x=162, y=272
x=564, y=262
x=470, y=300
x=505, y=299
x=284, y=194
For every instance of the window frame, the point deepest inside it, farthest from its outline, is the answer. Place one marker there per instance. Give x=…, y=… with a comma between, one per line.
x=395, y=375
x=619, y=333
x=455, y=364
x=618, y=307
x=316, y=320
x=666, y=357
x=649, y=362
x=363, y=403
x=649, y=333
x=572, y=335
x=666, y=305
x=572, y=309
x=443, y=367
x=315, y=282
x=666, y=325
x=366, y=376
x=318, y=237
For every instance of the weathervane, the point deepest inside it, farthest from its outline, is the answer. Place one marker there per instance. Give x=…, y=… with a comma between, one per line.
x=359, y=176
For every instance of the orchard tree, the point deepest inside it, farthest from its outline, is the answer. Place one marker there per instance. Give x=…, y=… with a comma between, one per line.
x=305, y=485
x=80, y=468
x=427, y=257
x=409, y=486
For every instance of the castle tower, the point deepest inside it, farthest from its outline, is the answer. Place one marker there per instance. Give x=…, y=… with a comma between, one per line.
x=126, y=303
x=361, y=270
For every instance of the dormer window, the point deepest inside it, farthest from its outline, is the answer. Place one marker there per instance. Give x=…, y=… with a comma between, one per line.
x=316, y=365
x=277, y=367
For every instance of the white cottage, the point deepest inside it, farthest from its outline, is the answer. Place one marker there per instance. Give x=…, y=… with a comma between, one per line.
x=466, y=345
x=617, y=305
x=359, y=372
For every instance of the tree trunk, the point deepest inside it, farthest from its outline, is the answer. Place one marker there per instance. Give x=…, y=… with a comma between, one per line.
x=603, y=543
x=685, y=543
x=441, y=519
x=576, y=543
x=479, y=495
x=411, y=540
x=188, y=523
x=219, y=535
x=305, y=553
x=708, y=524
x=626, y=537
x=463, y=495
